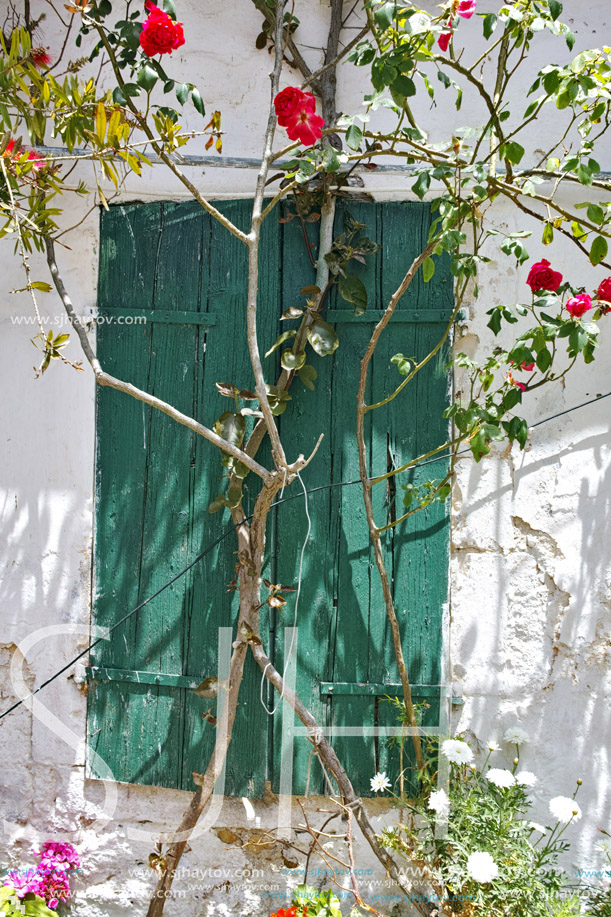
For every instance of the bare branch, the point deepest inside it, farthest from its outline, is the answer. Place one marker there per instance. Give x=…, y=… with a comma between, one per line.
x=418, y=892
x=103, y=378
x=367, y=487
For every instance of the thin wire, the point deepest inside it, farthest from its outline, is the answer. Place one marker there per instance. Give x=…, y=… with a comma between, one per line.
x=231, y=529
x=118, y=623
x=287, y=661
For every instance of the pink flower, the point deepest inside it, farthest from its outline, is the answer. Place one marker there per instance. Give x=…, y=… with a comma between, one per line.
x=515, y=383
x=466, y=8
x=160, y=33
x=603, y=295
x=296, y=111
x=444, y=39
x=542, y=277
x=579, y=305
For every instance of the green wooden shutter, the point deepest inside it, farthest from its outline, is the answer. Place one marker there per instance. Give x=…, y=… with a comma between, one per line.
x=176, y=267
x=344, y=638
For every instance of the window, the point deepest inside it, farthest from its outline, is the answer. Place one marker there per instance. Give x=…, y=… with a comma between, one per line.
x=174, y=266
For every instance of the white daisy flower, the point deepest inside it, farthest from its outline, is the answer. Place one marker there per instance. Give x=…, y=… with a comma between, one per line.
x=537, y=827
x=526, y=778
x=439, y=802
x=604, y=847
x=493, y=746
x=457, y=751
x=515, y=735
x=380, y=782
x=500, y=777
x=482, y=867
x=564, y=809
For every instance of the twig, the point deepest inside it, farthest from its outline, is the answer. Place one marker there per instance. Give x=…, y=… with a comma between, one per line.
x=418, y=893
x=105, y=379
x=367, y=487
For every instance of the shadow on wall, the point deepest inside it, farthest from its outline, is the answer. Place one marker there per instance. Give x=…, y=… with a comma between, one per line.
x=540, y=654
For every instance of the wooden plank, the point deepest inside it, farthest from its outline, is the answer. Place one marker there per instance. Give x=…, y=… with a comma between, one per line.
x=357, y=612
x=306, y=416
x=226, y=360
x=158, y=315
x=128, y=236
x=372, y=316
x=135, y=677
x=419, y=586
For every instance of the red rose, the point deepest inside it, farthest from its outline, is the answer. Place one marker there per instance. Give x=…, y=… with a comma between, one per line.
x=289, y=101
x=305, y=126
x=296, y=111
x=603, y=296
x=160, y=34
x=542, y=277
x=579, y=305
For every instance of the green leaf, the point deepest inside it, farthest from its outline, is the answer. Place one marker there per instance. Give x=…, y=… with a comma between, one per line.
x=548, y=234
x=517, y=429
x=479, y=446
x=352, y=289
x=130, y=89
x=404, y=86
x=280, y=340
x=323, y=338
x=595, y=213
x=512, y=397
x=513, y=152
x=308, y=376
x=555, y=8
x=403, y=364
x=198, y=103
x=291, y=360
x=490, y=23
x=354, y=137
x=495, y=319
x=41, y=285
x=428, y=269
x=599, y=250
x=36, y=907
x=169, y=8
x=570, y=39
x=182, y=92
x=544, y=359
x=147, y=78
x=331, y=160
x=422, y=184
x=384, y=14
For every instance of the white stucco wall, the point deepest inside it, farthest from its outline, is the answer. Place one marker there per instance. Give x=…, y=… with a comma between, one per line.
x=528, y=637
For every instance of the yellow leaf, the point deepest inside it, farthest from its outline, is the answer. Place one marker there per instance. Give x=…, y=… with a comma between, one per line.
x=100, y=122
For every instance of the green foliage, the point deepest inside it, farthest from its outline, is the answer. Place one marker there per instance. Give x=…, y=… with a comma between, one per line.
x=30, y=905
x=490, y=817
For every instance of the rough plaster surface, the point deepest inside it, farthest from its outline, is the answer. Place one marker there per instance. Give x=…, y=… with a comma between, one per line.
x=528, y=626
